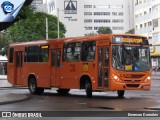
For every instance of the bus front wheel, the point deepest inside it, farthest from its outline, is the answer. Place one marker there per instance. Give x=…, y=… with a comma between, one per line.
x=88, y=88
x=120, y=93
x=34, y=90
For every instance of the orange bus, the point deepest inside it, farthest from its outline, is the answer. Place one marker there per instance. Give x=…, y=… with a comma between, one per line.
x=110, y=62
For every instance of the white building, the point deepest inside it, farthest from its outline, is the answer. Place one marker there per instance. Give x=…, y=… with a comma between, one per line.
x=86, y=16
x=143, y=17
x=147, y=22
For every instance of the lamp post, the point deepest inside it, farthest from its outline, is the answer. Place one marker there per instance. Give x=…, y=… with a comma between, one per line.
x=58, y=21
x=46, y=28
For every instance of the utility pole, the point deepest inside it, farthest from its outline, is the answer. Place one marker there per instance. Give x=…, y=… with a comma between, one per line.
x=58, y=21
x=46, y=28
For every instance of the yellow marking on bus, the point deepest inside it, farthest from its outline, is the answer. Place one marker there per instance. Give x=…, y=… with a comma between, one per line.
x=44, y=47
x=54, y=88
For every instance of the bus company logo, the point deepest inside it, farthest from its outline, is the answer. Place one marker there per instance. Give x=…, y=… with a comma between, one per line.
x=70, y=7
x=7, y=7
x=6, y=114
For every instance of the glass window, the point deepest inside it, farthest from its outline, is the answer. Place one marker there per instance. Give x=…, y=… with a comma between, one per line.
x=131, y=58
x=11, y=54
x=44, y=54
x=32, y=53
x=88, y=51
x=37, y=54
x=56, y=58
x=73, y=51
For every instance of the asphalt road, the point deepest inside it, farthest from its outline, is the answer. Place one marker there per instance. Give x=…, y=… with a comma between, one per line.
x=77, y=101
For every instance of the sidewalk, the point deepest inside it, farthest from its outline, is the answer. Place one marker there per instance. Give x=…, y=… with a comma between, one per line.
x=4, y=82
x=6, y=98
x=155, y=76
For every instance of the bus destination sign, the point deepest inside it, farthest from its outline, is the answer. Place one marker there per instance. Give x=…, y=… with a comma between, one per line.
x=129, y=40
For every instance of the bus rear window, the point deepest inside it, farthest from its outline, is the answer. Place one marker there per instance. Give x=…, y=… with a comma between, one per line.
x=11, y=54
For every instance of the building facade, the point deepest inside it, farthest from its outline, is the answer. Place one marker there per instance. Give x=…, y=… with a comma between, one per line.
x=83, y=17
x=147, y=22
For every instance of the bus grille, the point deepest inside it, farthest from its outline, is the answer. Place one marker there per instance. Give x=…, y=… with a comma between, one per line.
x=132, y=81
x=133, y=85
x=134, y=76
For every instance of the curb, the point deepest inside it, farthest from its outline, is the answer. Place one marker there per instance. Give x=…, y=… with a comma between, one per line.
x=27, y=97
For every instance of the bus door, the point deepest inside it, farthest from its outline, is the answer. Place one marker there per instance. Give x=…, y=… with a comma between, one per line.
x=56, y=68
x=103, y=67
x=19, y=59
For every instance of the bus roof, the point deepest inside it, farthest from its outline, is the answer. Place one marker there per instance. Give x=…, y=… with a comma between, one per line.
x=72, y=39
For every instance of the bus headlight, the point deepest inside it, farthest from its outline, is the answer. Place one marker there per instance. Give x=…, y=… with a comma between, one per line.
x=147, y=79
x=116, y=78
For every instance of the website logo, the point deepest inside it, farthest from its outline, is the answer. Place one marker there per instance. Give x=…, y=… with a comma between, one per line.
x=70, y=7
x=9, y=9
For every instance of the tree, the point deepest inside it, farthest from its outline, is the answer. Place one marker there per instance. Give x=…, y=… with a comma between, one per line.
x=32, y=26
x=104, y=30
x=4, y=43
x=131, y=31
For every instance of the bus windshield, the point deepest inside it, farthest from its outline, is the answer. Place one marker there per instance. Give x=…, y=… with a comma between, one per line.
x=130, y=58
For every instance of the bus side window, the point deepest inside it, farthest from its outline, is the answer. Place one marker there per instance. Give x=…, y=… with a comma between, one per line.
x=64, y=52
x=44, y=54
x=11, y=55
x=88, y=51
x=56, y=58
x=33, y=54
x=73, y=51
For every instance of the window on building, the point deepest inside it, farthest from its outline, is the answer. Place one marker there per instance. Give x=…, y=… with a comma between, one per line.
x=120, y=13
x=96, y=28
x=136, y=2
x=114, y=13
x=87, y=6
x=87, y=13
x=155, y=23
x=149, y=23
x=140, y=1
x=102, y=13
x=102, y=20
x=150, y=10
x=117, y=21
x=155, y=8
x=88, y=28
x=117, y=28
x=88, y=21
x=141, y=25
x=145, y=24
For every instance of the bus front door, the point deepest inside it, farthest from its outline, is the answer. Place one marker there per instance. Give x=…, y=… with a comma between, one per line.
x=18, y=77
x=56, y=68
x=103, y=67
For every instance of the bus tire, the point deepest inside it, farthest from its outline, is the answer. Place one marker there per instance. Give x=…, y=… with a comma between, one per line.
x=63, y=91
x=120, y=93
x=34, y=90
x=88, y=88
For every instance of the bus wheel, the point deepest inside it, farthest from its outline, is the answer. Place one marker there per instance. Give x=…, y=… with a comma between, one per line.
x=88, y=88
x=34, y=90
x=63, y=91
x=120, y=93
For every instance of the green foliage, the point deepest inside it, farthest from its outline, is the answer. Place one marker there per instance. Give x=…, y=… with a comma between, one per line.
x=31, y=25
x=104, y=30
x=131, y=31
x=4, y=43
